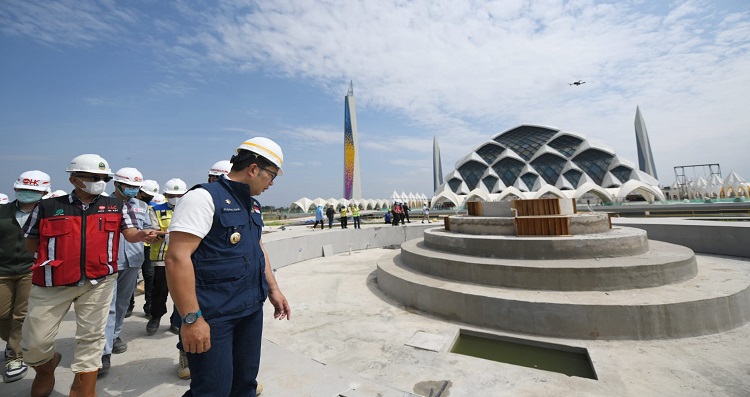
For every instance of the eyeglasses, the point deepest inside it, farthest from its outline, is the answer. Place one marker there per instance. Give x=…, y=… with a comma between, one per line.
x=94, y=178
x=273, y=174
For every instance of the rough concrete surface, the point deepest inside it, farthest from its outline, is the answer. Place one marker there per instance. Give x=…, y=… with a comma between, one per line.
x=346, y=337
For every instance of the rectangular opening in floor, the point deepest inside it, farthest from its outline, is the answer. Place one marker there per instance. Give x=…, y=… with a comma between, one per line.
x=568, y=360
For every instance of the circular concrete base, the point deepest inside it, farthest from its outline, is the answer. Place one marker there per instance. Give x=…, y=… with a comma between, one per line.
x=616, y=242
x=715, y=300
x=663, y=264
x=582, y=223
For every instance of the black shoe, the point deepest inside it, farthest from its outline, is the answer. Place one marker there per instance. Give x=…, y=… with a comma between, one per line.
x=129, y=312
x=153, y=325
x=119, y=346
x=174, y=329
x=105, y=365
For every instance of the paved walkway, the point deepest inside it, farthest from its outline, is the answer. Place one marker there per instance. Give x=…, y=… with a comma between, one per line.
x=348, y=339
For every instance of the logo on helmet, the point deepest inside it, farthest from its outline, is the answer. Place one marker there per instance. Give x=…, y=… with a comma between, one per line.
x=102, y=165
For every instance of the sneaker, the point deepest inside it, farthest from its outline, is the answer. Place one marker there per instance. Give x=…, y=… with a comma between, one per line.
x=129, y=312
x=105, y=365
x=183, y=371
x=259, y=389
x=15, y=369
x=153, y=325
x=119, y=346
x=174, y=329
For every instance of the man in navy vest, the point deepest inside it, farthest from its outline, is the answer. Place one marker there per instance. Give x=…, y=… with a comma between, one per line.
x=219, y=274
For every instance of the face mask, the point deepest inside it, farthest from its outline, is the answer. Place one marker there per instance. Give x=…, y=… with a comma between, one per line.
x=28, y=196
x=95, y=188
x=130, y=192
x=173, y=201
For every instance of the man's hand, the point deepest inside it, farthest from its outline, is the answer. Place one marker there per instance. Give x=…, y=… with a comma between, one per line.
x=281, y=307
x=147, y=235
x=196, y=337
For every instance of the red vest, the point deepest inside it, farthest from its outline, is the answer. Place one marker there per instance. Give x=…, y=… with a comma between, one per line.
x=75, y=244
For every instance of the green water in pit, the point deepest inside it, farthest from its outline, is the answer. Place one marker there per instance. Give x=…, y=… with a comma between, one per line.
x=544, y=358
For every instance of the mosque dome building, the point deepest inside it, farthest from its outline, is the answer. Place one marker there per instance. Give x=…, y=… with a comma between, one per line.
x=533, y=161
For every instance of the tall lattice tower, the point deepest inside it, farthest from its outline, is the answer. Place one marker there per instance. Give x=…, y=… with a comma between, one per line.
x=352, y=180
x=645, y=157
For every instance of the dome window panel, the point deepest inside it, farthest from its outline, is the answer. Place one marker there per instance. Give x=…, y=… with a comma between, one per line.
x=549, y=167
x=490, y=152
x=472, y=172
x=566, y=144
x=529, y=180
x=508, y=170
x=573, y=176
x=622, y=173
x=525, y=140
x=594, y=163
x=489, y=182
x=454, y=183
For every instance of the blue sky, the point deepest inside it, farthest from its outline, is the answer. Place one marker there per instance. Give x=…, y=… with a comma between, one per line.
x=172, y=87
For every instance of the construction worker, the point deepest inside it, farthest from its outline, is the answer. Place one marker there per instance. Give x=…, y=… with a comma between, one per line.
x=15, y=268
x=149, y=189
x=220, y=274
x=128, y=182
x=218, y=169
x=355, y=216
x=76, y=239
x=173, y=191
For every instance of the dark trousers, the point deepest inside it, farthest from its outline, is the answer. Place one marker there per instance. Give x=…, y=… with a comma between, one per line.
x=330, y=222
x=321, y=224
x=159, y=293
x=148, y=279
x=230, y=366
x=356, y=222
x=343, y=222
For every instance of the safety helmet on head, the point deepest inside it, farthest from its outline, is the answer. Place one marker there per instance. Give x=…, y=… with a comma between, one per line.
x=56, y=193
x=150, y=187
x=33, y=180
x=129, y=176
x=175, y=186
x=220, y=168
x=159, y=199
x=266, y=148
x=92, y=163
x=3, y=199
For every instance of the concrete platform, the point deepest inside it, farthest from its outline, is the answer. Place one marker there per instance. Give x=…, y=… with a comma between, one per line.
x=663, y=264
x=620, y=241
x=345, y=332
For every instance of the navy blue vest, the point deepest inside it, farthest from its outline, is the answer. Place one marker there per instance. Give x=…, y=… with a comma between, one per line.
x=229, y=278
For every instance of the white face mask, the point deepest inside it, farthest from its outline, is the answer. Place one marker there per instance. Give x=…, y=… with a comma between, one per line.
x=95, y=188
x=173, y=201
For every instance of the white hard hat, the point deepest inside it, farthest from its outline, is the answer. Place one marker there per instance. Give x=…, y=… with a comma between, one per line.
x=266, y=148
x=92, y=163
x=129, y=176
x=56, y=193
x=3, y=198
x=159, y=199
x=175, y=186
x=33, y=180
x=150, y=187
x=220, y=168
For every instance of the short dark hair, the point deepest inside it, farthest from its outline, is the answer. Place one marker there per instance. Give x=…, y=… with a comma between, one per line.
x=246, y=158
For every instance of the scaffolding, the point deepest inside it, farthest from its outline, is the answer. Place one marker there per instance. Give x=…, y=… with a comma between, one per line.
x=707, y=170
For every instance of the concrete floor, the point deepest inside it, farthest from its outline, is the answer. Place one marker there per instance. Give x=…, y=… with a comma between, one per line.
x=348, y=339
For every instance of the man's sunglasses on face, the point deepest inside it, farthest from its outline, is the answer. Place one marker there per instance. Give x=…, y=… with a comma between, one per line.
x=93, y=178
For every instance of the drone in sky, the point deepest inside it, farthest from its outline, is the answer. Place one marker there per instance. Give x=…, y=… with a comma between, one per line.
x=576, y=83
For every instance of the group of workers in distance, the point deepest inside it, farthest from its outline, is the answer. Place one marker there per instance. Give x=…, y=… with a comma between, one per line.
x=84, y=249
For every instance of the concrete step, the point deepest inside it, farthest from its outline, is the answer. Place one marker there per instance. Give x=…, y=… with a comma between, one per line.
x=664, y=263
x=717, y=299
x=617, y=242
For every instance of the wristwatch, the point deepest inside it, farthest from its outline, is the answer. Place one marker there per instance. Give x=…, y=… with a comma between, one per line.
x=191, y=317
